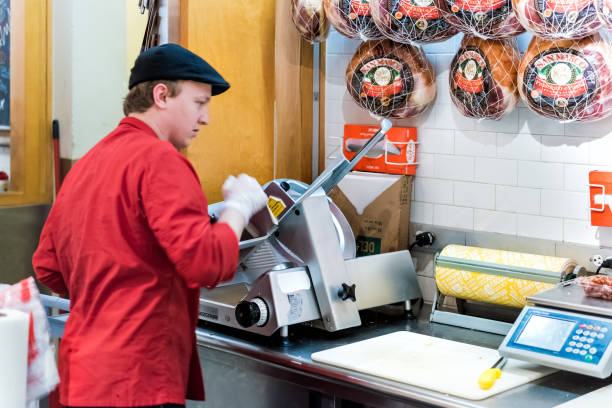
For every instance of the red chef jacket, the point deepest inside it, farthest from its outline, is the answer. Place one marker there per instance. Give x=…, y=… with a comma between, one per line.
x=130, y=239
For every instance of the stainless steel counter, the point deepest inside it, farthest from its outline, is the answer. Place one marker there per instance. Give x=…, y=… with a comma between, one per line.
x=292, y=364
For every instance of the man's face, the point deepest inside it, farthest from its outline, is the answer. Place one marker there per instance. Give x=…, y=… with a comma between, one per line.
x=187, y=112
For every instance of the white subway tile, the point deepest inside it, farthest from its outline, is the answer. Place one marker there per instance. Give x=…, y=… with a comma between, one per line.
x=582, y=232
x=495, y=221
x=448, y=117
x=422, y=121
x=470, y=143
x=507, y=124
x=339, y=44
x=540, y=227
x=335, y=65
x=334, y=130
x=336, y=89
x=332, y=153
x=576, y=177
x=443, y=62
x=522, y=146
x=565, y=204
x=446, y=47
x=563, y=149
x=523, y=41
x=426, y=165
x=332, y=143
x=532, y=123
x=540, y=175
x=454, y=217
x=436, y=141
x=600, y=128
x=433, y=190
x=421, y=213
x=454, y=167
x=496, y=171
x=600, y=151
x=474, y=195
x=517, y=199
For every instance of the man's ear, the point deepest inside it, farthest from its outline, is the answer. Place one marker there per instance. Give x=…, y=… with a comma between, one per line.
x=160, y=95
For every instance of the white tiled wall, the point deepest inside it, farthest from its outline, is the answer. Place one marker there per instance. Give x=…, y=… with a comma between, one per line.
x=524, y=175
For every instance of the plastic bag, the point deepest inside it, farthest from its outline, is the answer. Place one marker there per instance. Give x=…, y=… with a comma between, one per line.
x=42, y=369
x=598, y=286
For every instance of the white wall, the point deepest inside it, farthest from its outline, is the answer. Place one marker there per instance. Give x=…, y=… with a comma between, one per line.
x=524, y=176
x=89, y=80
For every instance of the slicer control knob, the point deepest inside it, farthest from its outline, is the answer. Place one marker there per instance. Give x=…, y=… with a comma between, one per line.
x=254, y=312
x=347, y=292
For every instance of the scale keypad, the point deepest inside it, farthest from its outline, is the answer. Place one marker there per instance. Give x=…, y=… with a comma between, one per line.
x=587, y=341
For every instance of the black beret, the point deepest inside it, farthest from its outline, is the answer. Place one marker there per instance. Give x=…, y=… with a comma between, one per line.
x=171, y=61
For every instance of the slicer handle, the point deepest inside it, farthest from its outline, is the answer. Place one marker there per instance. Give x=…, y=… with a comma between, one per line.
x=347, y=292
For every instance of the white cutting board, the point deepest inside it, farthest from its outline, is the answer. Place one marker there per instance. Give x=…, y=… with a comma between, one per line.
x=597, y=398
x=429, y=362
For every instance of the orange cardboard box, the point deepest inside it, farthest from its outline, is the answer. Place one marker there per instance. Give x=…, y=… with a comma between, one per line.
x=600, y=189
x=395, y=154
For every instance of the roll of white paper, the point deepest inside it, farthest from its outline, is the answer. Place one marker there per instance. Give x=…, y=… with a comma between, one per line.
x=13, y=357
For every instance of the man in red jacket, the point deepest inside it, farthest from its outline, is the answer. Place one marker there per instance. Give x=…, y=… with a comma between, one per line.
x=129, y=238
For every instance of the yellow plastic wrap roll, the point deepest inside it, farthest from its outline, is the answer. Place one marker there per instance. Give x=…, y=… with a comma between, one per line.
x=492, y=288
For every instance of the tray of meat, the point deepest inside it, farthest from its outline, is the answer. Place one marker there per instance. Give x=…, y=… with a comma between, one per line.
x=597, y=286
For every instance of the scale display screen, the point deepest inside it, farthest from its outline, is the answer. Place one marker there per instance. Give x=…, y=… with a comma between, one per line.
x=546, y=332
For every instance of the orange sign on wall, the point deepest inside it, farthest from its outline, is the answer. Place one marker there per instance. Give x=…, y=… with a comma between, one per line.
x=395, y=154
x=600, y=189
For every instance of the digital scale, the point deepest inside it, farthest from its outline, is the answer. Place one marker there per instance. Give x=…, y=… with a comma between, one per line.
x=563, y=328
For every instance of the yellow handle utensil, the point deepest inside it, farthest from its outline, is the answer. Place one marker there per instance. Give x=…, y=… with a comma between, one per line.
x=490, y=375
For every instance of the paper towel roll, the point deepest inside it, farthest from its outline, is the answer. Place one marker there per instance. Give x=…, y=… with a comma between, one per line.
x=13, y=357
x=492, y=288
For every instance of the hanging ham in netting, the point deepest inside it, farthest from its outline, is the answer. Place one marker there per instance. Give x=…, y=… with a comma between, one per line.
x=352, y=18
x=391, y=79
x=604, y=10
x=411, y=21
x=568, y=19
x=491, y=19
x=309, y=19
x=568, y=80
x=482, y=77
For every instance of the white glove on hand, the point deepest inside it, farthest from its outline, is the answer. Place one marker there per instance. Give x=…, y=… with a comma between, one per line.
x=244, y=194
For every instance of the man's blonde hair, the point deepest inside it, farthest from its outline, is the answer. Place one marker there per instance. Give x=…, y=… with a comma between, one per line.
x=140, y=97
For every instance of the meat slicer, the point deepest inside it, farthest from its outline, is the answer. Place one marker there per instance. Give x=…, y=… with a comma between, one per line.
x=299, y=265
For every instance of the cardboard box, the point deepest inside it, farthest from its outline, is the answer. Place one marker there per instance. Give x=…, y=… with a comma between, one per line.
x=377, y=206
x=395, y=154
x=600, y=189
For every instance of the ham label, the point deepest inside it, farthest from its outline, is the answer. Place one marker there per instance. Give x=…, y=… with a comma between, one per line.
x=564, y=11
x=354, y=8
x=469, y=75
x=559, y=81
x=382, y=79
x=486, y=13
x=424, y=9
x=477, y=5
